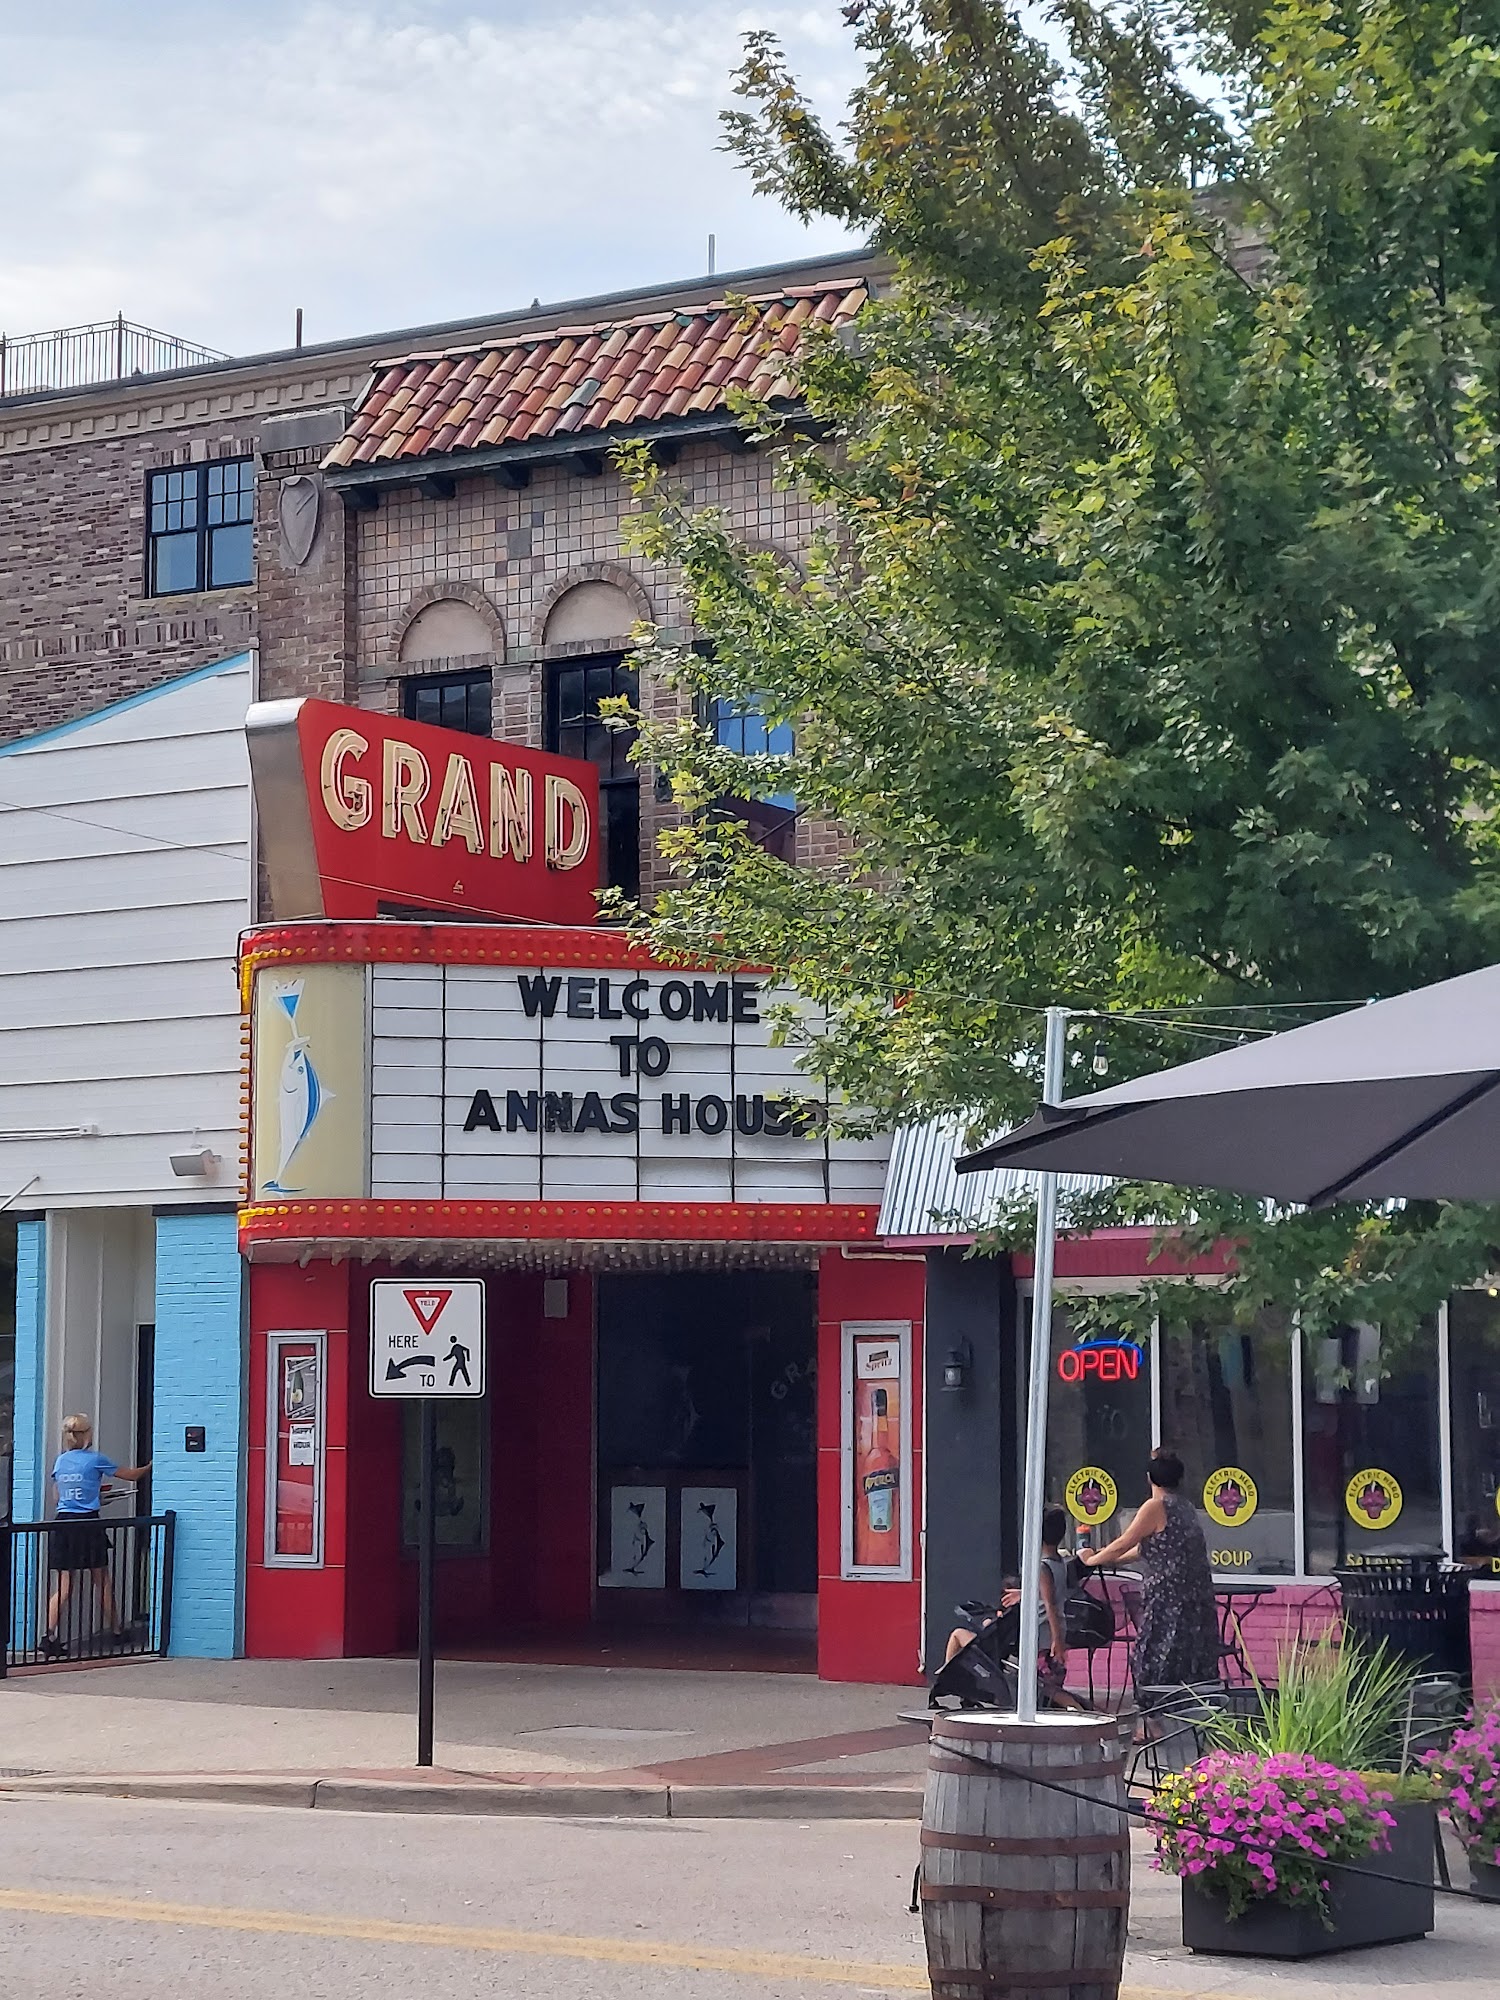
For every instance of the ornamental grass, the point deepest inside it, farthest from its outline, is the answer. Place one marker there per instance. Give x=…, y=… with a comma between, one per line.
x=1340, y=1704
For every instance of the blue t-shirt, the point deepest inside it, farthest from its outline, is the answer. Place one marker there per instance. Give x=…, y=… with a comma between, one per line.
x=78, y=1474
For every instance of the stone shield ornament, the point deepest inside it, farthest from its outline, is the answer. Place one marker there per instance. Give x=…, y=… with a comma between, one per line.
x=298, y=507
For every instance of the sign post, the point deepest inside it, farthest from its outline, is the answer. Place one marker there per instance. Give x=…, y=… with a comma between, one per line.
x=426, y=1343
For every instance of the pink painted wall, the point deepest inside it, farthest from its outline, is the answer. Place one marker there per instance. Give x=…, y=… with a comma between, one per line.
x=1307, y=1611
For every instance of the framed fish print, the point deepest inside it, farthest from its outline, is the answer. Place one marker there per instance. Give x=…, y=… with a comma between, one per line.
x=637, y=1539
x=708, y=1538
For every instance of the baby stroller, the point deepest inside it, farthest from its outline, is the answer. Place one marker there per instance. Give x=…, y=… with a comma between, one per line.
x=983, y=1674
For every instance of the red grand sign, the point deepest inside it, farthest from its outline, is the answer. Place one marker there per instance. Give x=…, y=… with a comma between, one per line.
x=366, y=815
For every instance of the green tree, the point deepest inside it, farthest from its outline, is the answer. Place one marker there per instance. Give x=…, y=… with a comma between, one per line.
x=1149, y=655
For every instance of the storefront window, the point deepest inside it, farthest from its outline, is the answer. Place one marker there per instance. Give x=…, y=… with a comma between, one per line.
x=460, y=1523
x=1226, y=1410
x=1474, y=1375
x=1098, y=1429
x=1372, y=1448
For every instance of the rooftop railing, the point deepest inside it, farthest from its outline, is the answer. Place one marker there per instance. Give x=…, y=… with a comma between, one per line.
x=78, y=357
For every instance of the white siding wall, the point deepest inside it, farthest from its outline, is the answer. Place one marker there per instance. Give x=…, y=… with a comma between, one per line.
x=124, y=883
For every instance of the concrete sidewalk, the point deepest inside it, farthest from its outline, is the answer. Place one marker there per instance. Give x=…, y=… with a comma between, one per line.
x=509, y=1738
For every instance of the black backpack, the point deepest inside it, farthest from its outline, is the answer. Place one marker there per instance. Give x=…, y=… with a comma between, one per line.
x=1088, y=1621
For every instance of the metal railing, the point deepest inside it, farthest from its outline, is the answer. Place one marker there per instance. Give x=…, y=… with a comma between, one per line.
x=86, y=1589
x=76, y=357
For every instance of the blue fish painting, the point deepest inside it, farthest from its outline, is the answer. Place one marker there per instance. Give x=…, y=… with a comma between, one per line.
x=301, y=1094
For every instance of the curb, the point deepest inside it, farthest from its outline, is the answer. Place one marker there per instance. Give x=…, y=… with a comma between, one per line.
x=492, y=1801
x=771, y=1802
x=795, y=1802
x=219, y=1791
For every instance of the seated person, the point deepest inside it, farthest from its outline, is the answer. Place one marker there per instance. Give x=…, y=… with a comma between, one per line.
x=1052, y=1639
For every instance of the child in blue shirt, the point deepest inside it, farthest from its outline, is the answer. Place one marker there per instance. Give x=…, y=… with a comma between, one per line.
x=78, y=1541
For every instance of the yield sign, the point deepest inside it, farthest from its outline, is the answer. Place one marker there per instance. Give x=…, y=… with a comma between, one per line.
x=427, y=1340
x=427, y=1307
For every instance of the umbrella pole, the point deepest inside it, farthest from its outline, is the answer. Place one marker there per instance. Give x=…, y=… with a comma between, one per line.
x=1035, y=1486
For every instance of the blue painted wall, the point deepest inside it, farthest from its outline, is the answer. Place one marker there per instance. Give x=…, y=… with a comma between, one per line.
x=31, y=1349
x=200, y=1375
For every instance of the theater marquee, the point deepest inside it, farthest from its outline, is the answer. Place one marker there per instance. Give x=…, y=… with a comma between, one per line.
x=529, y=1082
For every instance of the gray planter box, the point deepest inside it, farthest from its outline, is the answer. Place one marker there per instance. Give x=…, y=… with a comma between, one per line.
x=1363, y=1911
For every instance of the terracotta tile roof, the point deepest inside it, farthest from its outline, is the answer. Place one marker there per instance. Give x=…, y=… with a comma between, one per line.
x=573, y=380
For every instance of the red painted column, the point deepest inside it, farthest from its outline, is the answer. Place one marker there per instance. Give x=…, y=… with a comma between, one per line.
x=868, y=1629
x=298, y=1613
x=372, y=1598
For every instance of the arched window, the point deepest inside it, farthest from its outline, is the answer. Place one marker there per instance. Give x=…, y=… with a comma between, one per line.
x=448, y=629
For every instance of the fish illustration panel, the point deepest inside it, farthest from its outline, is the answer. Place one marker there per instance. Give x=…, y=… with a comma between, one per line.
x=637, y=1539
x=708, y=1547
x=309, y=1082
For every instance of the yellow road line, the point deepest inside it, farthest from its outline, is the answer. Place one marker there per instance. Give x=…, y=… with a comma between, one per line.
x=458, y=1937
x=764, y=1965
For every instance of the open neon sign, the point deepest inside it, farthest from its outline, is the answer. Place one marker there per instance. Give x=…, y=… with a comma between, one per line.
x=1101, y=1361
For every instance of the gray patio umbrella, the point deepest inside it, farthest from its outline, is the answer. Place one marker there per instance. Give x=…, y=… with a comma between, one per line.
x=1398, y=1098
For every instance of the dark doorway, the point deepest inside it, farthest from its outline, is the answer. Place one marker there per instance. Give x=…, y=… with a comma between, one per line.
x=145, y=1411
x=707, y=1449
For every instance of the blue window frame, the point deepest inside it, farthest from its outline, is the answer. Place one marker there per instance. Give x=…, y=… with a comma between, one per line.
x=741, y=726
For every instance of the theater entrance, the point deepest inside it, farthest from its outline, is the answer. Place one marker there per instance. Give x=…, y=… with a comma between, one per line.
x=707, y=1450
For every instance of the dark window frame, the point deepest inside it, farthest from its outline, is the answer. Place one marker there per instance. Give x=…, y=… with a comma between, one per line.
x=574, y=735
x=188, y=503
x=476, y=685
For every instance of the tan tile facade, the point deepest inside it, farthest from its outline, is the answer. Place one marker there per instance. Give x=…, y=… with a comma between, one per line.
x=78, y=632
x=523, y=551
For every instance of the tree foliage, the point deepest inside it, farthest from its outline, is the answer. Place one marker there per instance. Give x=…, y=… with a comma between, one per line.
x=1149, y=651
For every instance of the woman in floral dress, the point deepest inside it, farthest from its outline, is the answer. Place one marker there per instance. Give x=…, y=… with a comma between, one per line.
x=1177, y=1640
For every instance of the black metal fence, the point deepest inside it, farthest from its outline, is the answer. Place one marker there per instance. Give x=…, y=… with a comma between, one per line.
x=109, y=350
x=86, y=1589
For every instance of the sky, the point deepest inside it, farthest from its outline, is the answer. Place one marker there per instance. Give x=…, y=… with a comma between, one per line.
x=207, y=166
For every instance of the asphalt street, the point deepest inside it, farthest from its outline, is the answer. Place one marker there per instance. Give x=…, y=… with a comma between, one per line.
x=106, y=1896
x=141, y=1901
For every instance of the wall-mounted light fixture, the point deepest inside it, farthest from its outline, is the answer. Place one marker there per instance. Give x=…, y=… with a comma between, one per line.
x=197, y=1166
x=958, y=1367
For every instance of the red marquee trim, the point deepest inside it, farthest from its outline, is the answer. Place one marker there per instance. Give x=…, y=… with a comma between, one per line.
x=560, y=1221
x=389, y=942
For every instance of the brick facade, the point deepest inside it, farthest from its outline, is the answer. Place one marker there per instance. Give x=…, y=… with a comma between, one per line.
x=77, y=627
x=200, y=1379
x=29, y=1461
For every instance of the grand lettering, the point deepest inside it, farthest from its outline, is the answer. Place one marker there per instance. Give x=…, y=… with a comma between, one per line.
x=434, y=809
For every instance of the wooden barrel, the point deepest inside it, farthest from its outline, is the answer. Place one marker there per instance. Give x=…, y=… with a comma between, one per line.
x=1025, y=1889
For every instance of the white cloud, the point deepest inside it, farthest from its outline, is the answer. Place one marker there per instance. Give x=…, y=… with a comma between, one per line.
x=209, y=166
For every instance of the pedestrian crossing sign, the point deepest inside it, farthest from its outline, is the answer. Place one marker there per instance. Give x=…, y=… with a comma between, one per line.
x=427, y=1339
